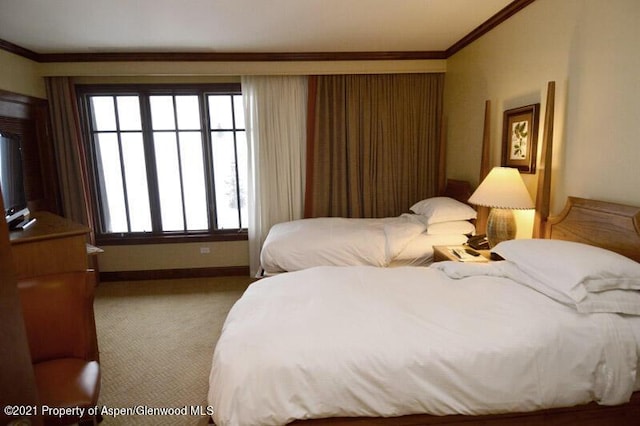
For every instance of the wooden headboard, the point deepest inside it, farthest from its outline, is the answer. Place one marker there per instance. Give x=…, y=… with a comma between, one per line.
x=457, y=189
x=615, y=227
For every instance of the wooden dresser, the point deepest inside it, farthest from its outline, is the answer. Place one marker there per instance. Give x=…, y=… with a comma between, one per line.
x=52, y=244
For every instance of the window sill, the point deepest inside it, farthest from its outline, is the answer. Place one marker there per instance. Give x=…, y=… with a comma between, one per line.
x=138, y=239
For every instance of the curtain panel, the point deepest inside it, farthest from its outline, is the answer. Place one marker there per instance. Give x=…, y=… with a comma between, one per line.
x=275, y=116
x=373, y=151
x=69, y=150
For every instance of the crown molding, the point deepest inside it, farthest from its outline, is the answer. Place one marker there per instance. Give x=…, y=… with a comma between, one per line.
x=504, y=14
x=20, y=51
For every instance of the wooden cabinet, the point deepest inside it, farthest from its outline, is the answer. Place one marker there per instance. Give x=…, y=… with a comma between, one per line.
x=17, y=382
x=52, y=244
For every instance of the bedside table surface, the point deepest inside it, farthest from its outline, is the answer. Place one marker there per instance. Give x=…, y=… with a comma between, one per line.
x=442, y=253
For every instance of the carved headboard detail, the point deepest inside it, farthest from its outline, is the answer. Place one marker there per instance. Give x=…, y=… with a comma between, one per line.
x=609, y=225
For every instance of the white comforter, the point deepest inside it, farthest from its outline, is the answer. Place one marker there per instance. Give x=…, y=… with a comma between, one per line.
x=364, y=341
x=305, y=243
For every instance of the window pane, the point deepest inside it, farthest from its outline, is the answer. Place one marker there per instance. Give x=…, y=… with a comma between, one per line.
x=225, y=180
x=104, y=115
x=129, y=113
x=162, y=113
x=195, y=194
x=238, y=108
x=188, y=112
x=243, y=164
x=127, y=125
x=170, y=192
x=220, y=112
x=112, y=191
x=135, y=171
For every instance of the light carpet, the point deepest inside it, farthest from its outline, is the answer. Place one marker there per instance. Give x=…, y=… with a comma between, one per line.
x=156, y=341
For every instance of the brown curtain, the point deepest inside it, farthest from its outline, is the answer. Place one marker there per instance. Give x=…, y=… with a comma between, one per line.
x=374, y=148
x=69, y=150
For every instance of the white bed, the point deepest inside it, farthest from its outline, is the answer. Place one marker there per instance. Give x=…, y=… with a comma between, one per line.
x=542, y=329
x=396, y=241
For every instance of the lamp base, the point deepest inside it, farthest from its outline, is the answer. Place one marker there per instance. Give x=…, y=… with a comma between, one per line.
x=501, y=226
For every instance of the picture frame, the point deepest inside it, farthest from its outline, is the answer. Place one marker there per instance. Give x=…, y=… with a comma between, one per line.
x=520, y=138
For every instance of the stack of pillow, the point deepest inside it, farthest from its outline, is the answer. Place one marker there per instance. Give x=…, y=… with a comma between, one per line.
x=445, y=216
x=589, y=278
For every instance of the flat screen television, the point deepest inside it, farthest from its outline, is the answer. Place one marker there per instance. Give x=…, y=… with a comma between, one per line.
x=12, y=180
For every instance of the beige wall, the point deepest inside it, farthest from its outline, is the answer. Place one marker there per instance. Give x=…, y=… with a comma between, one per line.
x=20, y=75
x=208, y=69
x=590, y=49
x=174, y=256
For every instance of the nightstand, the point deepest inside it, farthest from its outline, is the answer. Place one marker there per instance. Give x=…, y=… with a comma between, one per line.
x=442, y=253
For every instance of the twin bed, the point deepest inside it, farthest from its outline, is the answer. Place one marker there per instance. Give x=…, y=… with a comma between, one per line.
x=549, y=335
x=394, y=241
x=556, y=324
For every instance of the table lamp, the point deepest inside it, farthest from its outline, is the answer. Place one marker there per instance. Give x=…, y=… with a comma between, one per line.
x=502, y=190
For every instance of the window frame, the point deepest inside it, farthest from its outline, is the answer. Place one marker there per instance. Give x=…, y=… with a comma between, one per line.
x=84, y=91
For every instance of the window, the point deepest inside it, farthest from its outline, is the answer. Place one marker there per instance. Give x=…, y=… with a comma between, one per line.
x=167, y=161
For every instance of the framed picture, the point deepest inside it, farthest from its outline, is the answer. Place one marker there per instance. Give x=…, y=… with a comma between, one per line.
x=520, y=138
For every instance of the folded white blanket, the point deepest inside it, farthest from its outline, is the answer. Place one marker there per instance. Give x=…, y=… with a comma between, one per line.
x=609, y=301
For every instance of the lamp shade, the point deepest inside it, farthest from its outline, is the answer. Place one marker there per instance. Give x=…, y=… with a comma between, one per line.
x=503, y=188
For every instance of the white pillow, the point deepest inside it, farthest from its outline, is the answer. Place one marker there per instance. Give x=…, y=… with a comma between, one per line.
x=452, y=227
x=612, y=301
x=443, y=209
x=572, y=269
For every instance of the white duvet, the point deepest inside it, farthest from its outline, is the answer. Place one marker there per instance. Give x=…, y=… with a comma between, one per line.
x=305, y=243
x=365, y=341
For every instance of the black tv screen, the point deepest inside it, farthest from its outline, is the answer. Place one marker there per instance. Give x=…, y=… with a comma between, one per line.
x=11, y=177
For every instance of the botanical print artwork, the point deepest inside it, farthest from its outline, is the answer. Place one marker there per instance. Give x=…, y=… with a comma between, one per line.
x=520, y=137
x=519, y=133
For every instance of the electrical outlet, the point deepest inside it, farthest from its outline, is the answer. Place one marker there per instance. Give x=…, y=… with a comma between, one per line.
x=205, y=250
